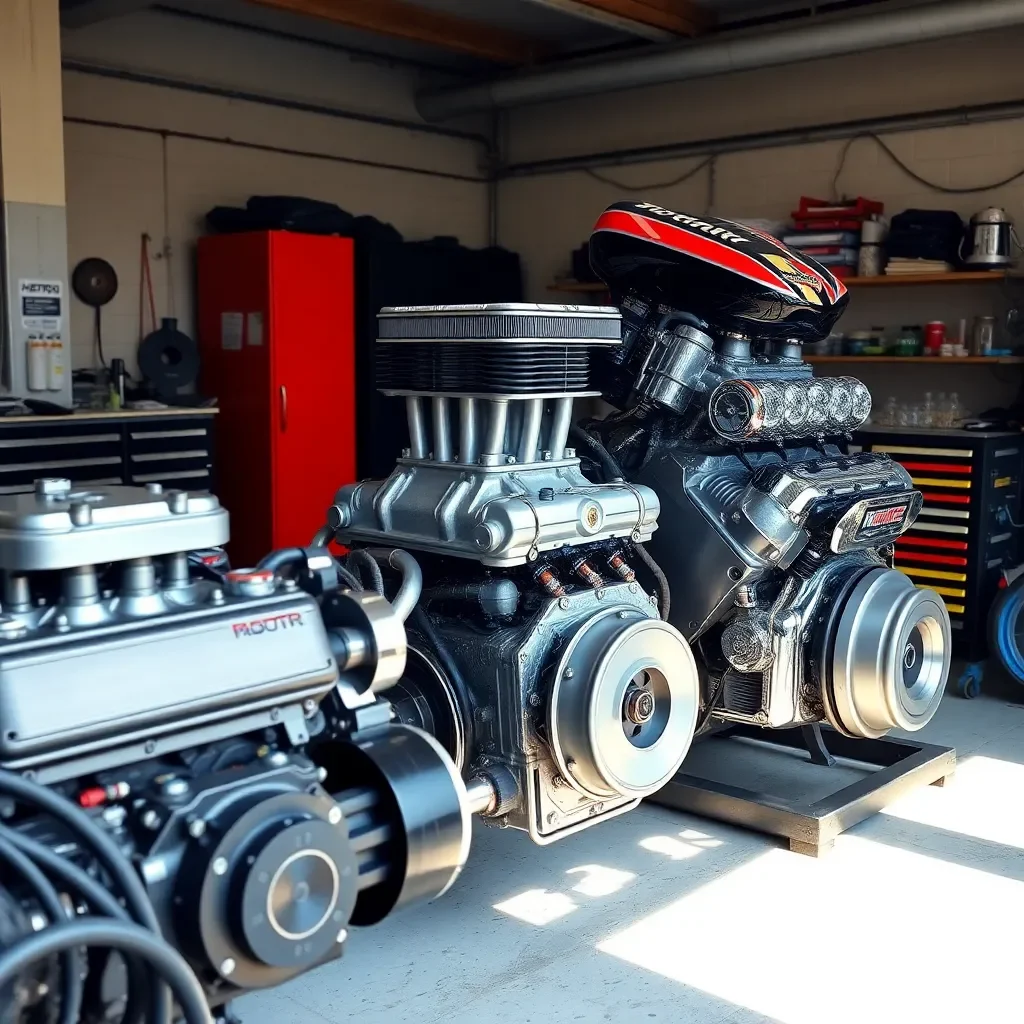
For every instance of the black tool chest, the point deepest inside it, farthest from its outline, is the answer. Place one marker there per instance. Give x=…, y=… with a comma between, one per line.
x=965, y=535
x=170, y=447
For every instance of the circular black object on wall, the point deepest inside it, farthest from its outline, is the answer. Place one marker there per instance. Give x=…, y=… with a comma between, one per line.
x=94, y=281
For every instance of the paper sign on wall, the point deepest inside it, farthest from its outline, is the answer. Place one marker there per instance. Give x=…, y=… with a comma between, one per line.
x=254, y=329
x=231, y=327
x=41, y=305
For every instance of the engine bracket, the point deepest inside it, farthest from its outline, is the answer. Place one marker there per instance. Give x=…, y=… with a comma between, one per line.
x=810, y=825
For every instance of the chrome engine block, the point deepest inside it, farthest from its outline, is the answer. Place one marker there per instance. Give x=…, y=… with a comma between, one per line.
x=535, y=655
x=776, y=544
x=227, y=735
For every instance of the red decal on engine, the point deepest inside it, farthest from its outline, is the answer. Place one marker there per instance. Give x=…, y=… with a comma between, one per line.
x=268, y=624
x=885, y=516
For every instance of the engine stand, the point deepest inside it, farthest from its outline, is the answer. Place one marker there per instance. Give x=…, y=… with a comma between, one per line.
x=811, y=826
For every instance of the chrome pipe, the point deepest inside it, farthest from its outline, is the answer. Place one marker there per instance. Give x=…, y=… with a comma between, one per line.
x=467, y=431
x=561, y=421
x=529, y=435
x=417, y=428
x=481, y=795
x=727, y=52
x=442, y=430
x=497, y=421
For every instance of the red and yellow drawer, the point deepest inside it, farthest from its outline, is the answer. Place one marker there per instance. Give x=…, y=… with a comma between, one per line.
x=950, y=586
x=933, y=553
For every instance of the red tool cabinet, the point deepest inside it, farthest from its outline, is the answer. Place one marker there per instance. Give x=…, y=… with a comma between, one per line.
x=276, y=331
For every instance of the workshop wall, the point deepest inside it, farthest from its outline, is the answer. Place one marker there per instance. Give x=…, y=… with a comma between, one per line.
x=547, y=216
x=121, y=183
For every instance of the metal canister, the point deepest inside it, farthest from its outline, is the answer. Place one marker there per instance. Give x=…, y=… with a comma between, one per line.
x=983, y=335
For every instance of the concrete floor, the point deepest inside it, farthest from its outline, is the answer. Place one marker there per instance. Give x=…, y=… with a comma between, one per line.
x=913, y=917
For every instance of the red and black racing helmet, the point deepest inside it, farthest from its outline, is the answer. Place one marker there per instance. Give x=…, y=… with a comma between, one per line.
x=732, y=277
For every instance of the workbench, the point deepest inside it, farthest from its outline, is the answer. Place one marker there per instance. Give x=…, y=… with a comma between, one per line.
x=173, y=447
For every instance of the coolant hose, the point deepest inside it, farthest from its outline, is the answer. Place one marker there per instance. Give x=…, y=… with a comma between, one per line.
x=660, y=580
x=358, y=558
x=612, y=470
x=412, y=579
x=277, y=560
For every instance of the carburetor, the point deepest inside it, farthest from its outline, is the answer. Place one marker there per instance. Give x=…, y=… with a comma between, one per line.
x=535, y=654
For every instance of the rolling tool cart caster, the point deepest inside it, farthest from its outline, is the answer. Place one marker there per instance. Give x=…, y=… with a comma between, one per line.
x=969, y=683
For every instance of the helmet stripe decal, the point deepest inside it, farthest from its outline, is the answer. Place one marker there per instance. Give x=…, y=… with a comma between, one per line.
x=700, y=247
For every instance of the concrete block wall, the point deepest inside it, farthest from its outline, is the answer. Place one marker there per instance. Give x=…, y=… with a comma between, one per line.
x=116, y=177
x=545, y=217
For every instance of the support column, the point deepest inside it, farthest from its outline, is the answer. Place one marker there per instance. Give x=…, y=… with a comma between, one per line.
x=33, y=216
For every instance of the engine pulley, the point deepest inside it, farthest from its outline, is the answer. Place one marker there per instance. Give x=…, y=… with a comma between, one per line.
x=623, y=705
x=887, y=656
x=267, y=891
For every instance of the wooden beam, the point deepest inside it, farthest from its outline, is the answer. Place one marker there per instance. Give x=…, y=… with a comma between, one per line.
x=79, y=13
x=681, y=17
x=400, y=20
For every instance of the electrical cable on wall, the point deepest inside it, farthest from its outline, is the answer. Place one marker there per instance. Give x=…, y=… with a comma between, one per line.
x=166, y=251
x=650, y=186
x=954, y=190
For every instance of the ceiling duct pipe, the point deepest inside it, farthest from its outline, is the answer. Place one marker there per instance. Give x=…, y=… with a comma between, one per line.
x=826, y=38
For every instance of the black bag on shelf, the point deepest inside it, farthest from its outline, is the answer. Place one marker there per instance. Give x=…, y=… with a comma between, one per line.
x=926, y=235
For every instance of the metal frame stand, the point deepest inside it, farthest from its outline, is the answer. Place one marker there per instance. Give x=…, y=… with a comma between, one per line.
x=811, y=827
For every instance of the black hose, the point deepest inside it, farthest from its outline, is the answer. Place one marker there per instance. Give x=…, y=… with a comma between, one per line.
x=49, y=900
x=95, y=839
x=166, y=961
x=660, y=581
x=98, y=899
x=409, y=590
x=277, y=560
x=612, y=470
x=103, y=848
x=346, y=576
x=365, y=560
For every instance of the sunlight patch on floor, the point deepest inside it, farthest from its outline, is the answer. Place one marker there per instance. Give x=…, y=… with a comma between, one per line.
x=983, y=800
x=865, y=934
x=543, y=906
x=538, y=906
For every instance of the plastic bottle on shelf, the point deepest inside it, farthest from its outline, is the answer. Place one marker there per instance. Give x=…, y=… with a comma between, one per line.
x=941, y=410
x=956, y=410
x=890, y=416
x=927, y=411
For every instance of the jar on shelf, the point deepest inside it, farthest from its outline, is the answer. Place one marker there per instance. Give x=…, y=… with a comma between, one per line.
x=908, y=342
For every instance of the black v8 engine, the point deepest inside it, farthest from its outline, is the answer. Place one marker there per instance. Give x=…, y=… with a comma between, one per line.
x=535, y=655
x=210, y=761
x=776, y=544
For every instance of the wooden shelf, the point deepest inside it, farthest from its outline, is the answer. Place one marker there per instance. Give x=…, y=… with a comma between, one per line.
x=953, y=277
x=921, y=360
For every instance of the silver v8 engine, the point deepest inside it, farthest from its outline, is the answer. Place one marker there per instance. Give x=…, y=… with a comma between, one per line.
x=535, y=654
x=776, y=544
x=228, y=737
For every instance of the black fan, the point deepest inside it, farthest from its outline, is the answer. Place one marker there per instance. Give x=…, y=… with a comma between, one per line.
x=94, y=281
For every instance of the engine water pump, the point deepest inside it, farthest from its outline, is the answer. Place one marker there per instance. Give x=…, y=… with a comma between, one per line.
x=535, y=656
x=775, y=539
x=204, y=764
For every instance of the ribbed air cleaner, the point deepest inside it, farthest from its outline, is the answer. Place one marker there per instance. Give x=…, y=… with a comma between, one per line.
x=494, y=349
